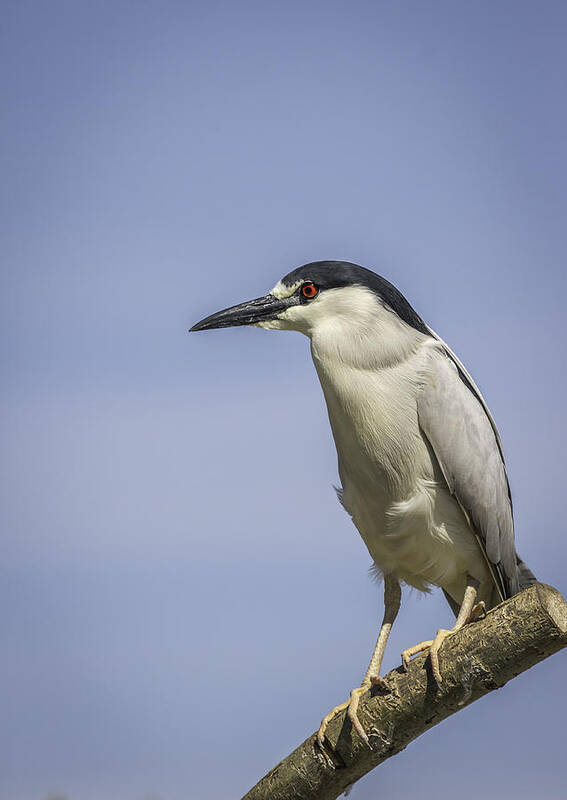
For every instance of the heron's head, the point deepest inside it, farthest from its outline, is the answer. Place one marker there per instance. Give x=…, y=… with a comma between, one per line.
x=323, y=296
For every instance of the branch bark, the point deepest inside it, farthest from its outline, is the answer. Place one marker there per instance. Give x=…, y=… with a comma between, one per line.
x=481, y=657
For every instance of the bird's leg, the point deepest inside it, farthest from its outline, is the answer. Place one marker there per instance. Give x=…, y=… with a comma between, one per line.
x=467, y=612
x=392, y=599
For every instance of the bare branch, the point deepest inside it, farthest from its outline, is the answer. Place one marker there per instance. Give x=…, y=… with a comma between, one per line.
x=481, y=657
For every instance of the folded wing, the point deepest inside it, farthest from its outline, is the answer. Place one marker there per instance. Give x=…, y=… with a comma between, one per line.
x=454, y=418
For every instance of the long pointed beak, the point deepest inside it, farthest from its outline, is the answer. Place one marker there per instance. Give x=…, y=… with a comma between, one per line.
x=250, y=313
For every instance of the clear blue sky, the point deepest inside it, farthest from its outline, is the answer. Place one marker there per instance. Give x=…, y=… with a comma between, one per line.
x=169, y=523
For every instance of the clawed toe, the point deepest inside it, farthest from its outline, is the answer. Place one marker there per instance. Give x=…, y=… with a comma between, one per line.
x=408, y=654
x=352, y=711
x=433, y=646
x=355, y=696
x=325, y=721
x=442, y=634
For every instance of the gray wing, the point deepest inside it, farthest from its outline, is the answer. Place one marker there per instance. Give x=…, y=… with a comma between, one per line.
x=454, y=418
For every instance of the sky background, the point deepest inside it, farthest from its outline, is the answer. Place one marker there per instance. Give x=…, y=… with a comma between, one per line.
x=169, y=523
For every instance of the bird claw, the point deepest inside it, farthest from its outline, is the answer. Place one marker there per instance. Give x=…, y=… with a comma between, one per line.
x=433, y=646
x=352, y=708
x=325, y=721
x=408, y=654
x=352, y=715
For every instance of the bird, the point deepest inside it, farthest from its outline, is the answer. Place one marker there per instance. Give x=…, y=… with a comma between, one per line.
x=420, y=460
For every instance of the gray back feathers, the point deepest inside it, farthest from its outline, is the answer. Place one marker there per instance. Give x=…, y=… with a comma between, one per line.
x=453, y=418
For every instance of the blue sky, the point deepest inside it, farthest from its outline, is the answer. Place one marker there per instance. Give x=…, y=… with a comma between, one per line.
x=169, y=521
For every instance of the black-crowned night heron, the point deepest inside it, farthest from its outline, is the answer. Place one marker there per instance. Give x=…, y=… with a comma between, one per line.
x=420, y=459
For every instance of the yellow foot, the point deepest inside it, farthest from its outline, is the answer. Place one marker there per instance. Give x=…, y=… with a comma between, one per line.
x=352, y=706
x=433, y=645
x=410, y=652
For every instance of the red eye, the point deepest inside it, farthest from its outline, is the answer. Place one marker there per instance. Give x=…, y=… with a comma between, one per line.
x=309, y=290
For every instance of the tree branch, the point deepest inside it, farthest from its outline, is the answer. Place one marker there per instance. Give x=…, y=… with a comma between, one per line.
x=481, y=657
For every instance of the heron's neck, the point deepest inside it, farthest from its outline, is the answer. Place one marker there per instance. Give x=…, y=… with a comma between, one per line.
x=369, y=344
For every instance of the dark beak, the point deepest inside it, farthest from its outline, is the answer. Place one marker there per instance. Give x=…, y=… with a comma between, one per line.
x=250, y=313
